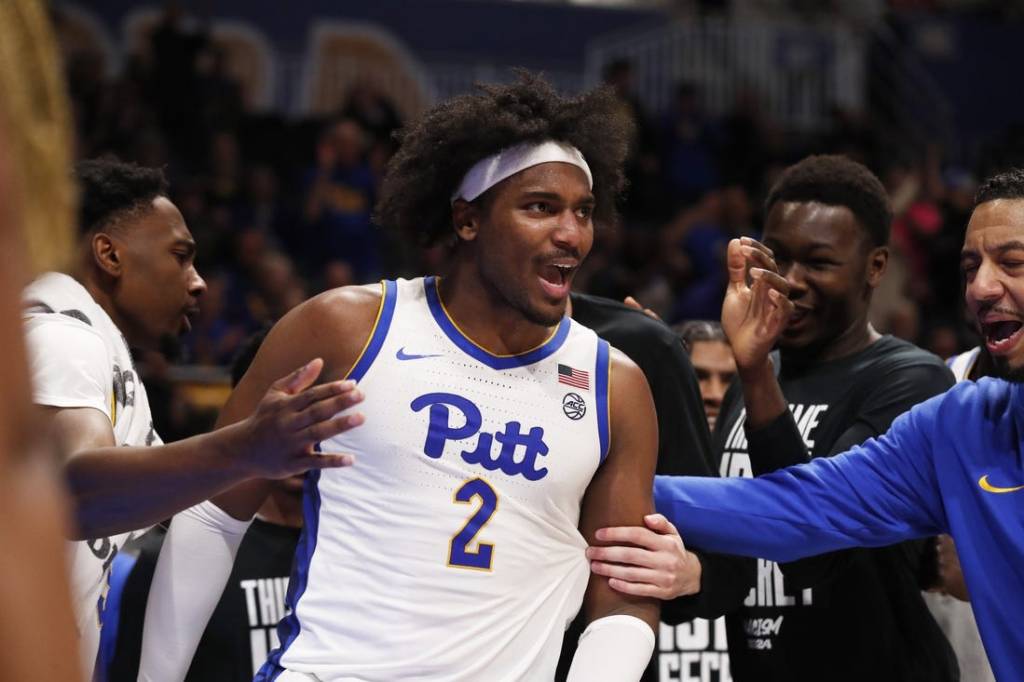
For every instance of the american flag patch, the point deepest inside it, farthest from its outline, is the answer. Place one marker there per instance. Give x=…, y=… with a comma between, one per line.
x=573, y=377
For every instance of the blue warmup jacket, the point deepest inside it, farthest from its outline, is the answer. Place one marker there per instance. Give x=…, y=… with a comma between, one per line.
x=952, y=464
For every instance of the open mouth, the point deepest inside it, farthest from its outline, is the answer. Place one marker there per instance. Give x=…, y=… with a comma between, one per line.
x=187, y=318
x=1001, y=335
x=556, y=279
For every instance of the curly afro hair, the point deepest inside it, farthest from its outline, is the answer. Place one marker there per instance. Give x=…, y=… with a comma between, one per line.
x=837, y=181
x=1006, y=185
x=438, y=150
x=110, y=189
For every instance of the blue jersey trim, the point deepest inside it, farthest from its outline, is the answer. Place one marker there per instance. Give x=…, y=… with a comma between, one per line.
x=379, y=333
x=470, y=348
x=602, y=380
x=289, y=627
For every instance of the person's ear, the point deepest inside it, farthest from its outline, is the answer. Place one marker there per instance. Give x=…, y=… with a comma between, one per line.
x=878, y=261
x=106, y=254
x=465, y=220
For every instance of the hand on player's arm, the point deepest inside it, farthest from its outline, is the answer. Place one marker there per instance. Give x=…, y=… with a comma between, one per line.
x=649, y=561
x=619, y=639
x=755, y=312
x=117, y=489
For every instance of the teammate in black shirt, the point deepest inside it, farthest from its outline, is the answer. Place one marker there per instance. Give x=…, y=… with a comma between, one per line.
x=855, y=615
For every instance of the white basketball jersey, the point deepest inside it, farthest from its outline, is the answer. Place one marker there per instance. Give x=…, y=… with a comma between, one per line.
x=450, y=551
x=80, y=359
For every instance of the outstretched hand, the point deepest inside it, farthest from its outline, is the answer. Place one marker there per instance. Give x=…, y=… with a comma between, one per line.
x=279, y=438
x=757, y=308
x=657, y=564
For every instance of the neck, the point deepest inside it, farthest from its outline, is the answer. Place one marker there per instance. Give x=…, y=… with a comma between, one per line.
x=854, y=339
x=486, y=317
x=90, y=280
x=282, y=508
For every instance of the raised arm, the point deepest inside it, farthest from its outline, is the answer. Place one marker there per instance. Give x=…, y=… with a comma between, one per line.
x=619, y=639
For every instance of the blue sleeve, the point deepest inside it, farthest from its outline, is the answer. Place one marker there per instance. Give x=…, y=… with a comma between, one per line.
x=879, y=493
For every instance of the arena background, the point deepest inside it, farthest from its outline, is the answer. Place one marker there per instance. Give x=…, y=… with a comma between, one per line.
x=274, y=122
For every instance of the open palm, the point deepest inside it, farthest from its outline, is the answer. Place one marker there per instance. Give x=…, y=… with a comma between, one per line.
x=756, y=310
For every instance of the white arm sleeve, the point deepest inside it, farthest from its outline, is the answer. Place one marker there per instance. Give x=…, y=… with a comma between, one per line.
x=194, y=565
x=612, y=649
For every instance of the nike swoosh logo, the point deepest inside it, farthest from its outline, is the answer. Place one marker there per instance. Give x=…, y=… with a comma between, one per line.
x=402, y=355
x=989, y=488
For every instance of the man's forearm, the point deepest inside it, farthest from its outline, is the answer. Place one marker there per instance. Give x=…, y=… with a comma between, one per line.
x=118, y=489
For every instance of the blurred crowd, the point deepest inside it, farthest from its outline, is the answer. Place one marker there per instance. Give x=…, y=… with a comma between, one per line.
x=281, y=208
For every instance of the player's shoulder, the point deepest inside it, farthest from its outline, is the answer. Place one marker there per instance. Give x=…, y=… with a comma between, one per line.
x=53, y=329
x=891, y=354
x=990, y=396
x=341, y=306
x=628, y=329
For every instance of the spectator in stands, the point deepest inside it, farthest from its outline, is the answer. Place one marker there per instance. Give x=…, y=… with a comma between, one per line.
x=339, y=200
x=688, y=148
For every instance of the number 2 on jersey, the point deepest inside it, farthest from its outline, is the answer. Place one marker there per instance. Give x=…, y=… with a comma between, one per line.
x=458, y=553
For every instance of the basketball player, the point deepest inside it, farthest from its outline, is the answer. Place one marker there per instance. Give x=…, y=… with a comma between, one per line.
x=951, y=465
x=835, y=383
x=36, y=208
x=132, y=282
x=493, y=446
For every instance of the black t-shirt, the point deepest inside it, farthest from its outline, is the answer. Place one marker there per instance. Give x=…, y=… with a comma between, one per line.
x=683, y=450
x=243, y=627
x=854, y=615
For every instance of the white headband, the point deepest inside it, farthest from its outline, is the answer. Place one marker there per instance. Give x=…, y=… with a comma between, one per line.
x=488, y=172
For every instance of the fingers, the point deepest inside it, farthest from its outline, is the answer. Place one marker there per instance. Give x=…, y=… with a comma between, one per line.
x=758, y=259
x=300, y=379
x=636, y=305
x=772, y=279
x=630, y=573
x=736, y=263
x=754, y=244
x=634, y=535
x=624, y=555
x=317, y=393
x=660, y=524
x=638, y=589
x=328, y=428
x=331, y=403
x=327, y=461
